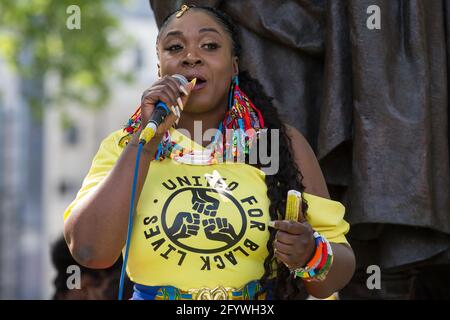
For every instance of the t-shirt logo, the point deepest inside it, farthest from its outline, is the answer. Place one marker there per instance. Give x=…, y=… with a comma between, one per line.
x=208, y=224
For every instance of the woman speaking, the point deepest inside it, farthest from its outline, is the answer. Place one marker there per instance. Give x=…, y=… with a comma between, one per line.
x=207, y=225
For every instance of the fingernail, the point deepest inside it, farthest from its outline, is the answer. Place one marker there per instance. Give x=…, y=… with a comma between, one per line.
x=173, y=110
x=183, y=89
x=180, y=103
x=193, y=82
x=271, y=224
x=176, y=121
x=178, y=111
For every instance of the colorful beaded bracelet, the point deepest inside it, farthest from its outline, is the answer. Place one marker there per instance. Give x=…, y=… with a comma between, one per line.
x=318, y=267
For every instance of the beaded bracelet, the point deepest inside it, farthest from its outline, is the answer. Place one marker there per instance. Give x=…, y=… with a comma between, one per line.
x=318, y=267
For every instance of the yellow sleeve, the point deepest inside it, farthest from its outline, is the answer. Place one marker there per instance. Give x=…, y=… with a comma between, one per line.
x=327, y=217
x=104, y=160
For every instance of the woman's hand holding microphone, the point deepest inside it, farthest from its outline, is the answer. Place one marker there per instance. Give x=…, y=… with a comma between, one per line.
x=174, y=94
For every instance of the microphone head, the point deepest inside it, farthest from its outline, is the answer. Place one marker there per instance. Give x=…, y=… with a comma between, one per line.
x=181, y=79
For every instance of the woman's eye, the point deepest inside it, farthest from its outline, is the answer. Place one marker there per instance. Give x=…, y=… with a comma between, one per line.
x=211, y=46
x=174, y=47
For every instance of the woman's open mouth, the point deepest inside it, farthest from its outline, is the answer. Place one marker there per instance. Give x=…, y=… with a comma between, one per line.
x=200, y=84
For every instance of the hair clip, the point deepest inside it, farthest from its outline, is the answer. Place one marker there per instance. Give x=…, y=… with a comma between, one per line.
x=183, y=9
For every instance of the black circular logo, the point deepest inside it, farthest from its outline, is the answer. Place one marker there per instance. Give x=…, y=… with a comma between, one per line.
x=207, y=221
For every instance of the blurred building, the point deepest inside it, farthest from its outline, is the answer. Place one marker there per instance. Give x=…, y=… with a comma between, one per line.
x=12, y=180
x=53, y=174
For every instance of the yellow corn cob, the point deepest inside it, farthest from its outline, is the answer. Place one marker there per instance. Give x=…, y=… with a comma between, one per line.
x=293, y=202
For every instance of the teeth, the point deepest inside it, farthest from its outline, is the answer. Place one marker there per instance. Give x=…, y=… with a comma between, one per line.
x=198, y=79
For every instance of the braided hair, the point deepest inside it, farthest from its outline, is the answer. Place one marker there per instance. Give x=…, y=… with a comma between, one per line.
x=288, y=177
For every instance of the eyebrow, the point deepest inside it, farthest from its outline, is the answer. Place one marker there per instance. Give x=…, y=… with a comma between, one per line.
x=202, y=30
x=173, y=33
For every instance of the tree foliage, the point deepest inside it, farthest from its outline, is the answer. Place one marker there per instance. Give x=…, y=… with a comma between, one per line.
x=36, y=41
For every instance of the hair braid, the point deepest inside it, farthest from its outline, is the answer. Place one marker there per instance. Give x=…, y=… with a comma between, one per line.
x=288, y=177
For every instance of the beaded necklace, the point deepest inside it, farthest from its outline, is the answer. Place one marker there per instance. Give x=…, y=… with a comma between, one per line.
x=234, y=138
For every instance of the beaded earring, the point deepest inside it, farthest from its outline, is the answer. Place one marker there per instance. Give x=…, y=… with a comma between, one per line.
x=243, y=119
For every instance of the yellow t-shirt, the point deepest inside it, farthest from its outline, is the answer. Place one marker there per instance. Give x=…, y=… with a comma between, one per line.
x=198, y=225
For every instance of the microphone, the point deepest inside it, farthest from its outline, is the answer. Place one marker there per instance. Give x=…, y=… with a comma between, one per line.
x=160, y=112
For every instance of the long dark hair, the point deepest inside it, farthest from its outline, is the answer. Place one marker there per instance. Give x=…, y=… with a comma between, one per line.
x=283, y=286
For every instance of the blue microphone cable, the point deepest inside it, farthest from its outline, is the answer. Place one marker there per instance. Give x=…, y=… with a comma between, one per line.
x=130, y=219
x=146, y=135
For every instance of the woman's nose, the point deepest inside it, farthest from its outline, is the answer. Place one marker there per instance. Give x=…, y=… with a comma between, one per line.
x=191, y=60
